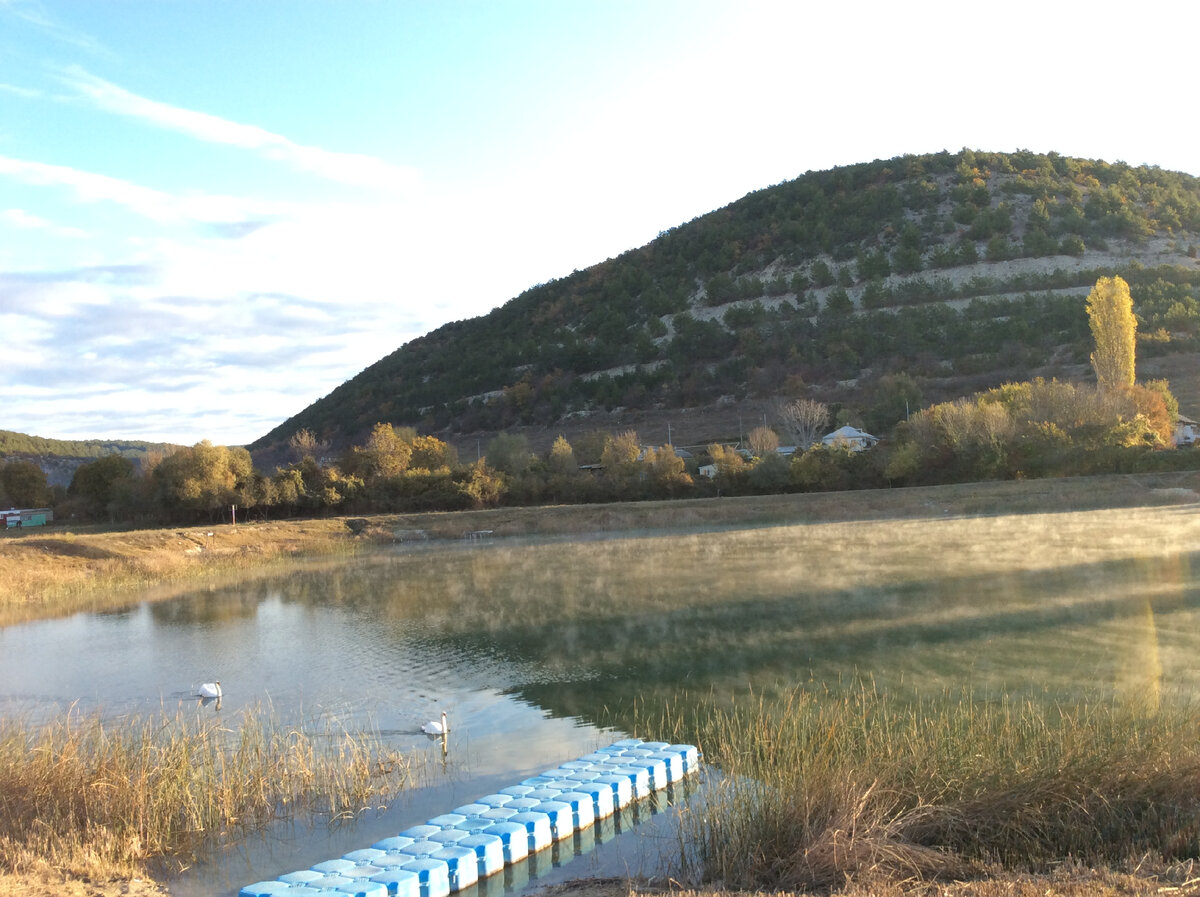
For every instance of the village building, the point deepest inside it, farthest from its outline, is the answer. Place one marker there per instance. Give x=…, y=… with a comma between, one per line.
x=849, y=437
x=1186, y=431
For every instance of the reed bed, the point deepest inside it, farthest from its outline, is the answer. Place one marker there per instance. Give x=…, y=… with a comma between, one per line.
x=108, y=798
x=820, y=791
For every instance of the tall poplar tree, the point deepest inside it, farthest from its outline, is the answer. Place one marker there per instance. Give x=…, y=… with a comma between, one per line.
x=1114, y=329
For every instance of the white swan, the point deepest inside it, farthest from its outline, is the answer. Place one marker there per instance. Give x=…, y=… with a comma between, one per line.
x=210, y=690
x=433, y=727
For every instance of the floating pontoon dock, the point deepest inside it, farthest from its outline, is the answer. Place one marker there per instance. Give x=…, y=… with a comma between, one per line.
x=454, y=851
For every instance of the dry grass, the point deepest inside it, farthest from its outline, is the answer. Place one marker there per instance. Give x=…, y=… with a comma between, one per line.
x=98, y=800
x=57, y=571
x=819, y=792
x=1068, y=880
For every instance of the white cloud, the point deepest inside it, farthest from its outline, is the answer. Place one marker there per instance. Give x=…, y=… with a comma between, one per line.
x=23, y=220
x=156, y=205
x=28, y=93
x=347, y=168
x=34, y=13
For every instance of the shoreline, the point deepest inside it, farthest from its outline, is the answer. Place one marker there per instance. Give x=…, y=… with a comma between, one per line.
x=109, y=568
x=61, y=570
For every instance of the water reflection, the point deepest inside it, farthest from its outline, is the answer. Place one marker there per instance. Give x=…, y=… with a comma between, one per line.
x=579, y=630
x=538, y=649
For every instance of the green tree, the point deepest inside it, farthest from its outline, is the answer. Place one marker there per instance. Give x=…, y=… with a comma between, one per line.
x=897, y=397
x=820, y=274
x=907, y=257
x=103, y=485
x=770, y=474
x=24, y=483
x=838, y=303
x=509, y=453
x=1114, y=329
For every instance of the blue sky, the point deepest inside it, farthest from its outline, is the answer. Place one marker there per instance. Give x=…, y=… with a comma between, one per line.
x=213, y=213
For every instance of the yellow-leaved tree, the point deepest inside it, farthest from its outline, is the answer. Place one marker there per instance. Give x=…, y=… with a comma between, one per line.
x=1114, y=329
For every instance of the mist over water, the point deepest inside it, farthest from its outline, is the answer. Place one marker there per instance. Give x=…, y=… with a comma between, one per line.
x=542, y=650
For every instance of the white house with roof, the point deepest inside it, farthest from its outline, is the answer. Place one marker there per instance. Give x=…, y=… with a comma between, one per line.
x=1186, y=431
x=849, y=437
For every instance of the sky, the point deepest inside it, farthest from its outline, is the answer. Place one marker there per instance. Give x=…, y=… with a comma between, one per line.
x=213, y=213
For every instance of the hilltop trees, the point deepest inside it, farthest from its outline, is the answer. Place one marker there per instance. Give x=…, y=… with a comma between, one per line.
x=1114, y=329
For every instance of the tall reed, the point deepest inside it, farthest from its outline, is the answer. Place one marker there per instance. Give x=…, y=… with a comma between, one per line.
x=820, y=790
x=91, y=796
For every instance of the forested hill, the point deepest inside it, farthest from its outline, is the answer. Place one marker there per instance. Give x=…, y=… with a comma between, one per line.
x=59, y=458
x=20, y=444
x=952, y=270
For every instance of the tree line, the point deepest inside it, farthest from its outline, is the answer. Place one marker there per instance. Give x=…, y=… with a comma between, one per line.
x=1034, y=428
x=1031, y=429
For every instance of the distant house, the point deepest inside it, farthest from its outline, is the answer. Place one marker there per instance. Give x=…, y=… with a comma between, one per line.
x=849, y=437
x=1186, y=431
x=707, y=470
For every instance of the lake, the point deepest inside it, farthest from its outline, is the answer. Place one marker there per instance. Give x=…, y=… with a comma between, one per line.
x=541, y=650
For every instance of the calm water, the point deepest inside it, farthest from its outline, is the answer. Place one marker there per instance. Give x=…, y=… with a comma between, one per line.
x=542, y=651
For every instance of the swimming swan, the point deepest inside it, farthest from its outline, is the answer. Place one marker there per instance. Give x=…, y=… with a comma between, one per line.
x=433, y=727
x=210, y=690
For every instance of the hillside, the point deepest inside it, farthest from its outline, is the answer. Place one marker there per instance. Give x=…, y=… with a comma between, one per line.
x=957, y=271
x=59, y=458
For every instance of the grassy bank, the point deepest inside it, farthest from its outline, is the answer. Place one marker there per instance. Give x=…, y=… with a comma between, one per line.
x=820, y=791
x=849, y=786
x=59, y=570
x=96, y=799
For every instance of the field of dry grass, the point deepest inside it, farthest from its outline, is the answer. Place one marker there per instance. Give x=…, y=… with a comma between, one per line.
x=1070, y=881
